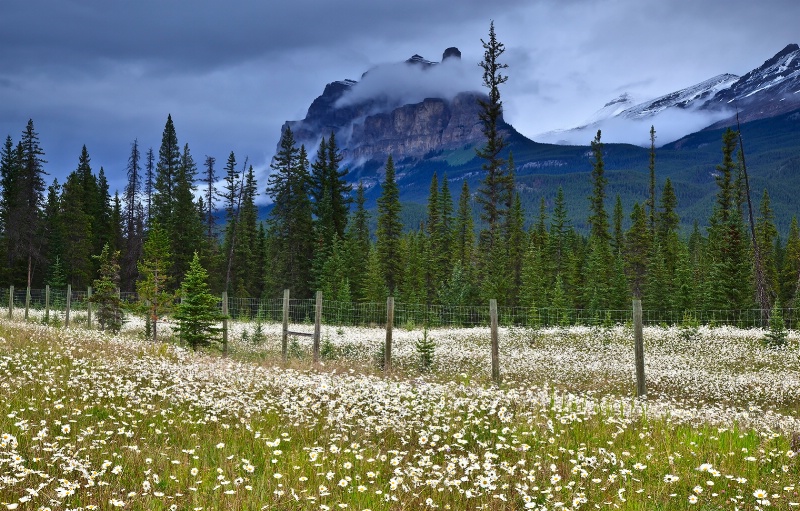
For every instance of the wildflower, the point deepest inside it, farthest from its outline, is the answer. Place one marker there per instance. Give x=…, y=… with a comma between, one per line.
x=669, y=478
x=693, y=499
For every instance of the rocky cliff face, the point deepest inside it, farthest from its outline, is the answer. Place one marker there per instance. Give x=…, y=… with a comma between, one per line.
x=373, y=127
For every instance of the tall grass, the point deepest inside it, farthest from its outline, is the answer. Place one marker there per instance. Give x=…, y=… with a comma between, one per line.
x=96, y=422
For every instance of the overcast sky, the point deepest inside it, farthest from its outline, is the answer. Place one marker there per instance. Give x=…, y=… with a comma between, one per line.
x=103, y=73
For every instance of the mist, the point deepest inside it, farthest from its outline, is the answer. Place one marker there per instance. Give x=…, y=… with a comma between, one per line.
x=393, y=85
x=670, y=125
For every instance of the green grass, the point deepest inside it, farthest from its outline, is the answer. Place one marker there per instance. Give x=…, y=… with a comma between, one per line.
x=264, y=435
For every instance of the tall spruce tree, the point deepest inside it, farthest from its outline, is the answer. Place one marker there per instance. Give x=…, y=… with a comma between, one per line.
x=185, y=229
x=167, y=168
x=598, y=289
x=134, y=221
x=155, y=299
x=389, y=230
x=27, y=226
x=290, y=220
x=766, y=235
x=109, y=305
x=730, y=284
x=464, y=230
x=790, y=270
x=357, y=246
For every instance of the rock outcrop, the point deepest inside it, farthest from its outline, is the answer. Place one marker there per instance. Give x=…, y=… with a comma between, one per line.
x=373, y=127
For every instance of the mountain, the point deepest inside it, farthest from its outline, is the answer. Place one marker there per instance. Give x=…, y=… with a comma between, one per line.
x=769, y=90
x=381, y=121
x=425, y=114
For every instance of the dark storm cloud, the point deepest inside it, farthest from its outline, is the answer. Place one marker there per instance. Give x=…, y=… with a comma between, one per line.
x=102, y=73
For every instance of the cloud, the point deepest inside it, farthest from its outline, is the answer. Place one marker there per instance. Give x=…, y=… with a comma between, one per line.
x=393, y=85
x=670, y=125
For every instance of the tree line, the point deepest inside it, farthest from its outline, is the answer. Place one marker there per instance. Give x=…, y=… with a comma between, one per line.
x=317, y=236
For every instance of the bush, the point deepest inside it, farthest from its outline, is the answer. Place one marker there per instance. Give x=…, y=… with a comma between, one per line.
x=425, y=350
x=776, y=337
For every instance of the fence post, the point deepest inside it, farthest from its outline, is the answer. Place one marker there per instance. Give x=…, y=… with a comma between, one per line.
x=10, y=302
x=495, y=343
x=69, y=303
x=27, y=301
x=89, y=308
x=224, y=323
x=285, y=336
x=638, y=342
x=317, y=325
x=387, y=352
x=47, y=304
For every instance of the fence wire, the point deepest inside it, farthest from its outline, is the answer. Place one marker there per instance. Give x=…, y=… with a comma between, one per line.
x=419, y=316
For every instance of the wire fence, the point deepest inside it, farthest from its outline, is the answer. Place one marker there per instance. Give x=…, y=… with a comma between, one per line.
x=418, y=316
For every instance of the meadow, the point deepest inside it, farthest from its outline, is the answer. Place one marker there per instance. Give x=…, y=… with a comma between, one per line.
x=93, y=421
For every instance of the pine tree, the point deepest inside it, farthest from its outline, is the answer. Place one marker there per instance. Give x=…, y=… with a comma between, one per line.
x=464, y=230
x=105, y=286
x=357, y=246
x=667, y=223
x=186, y=229
x=558, y=243
x=167, y=168
x=618, y=240
x=77, y=220
x=389, y=230
x=597, y=290
x=154, y=270
x=26, y=234
x=134, y=221
x=790, y=271
x=766, y=234
x=210, y=179
x=149, y=184
x=496, y=184
x=375, y=290
x=290, y=221
x=637, y=247
x=730, y=279
x=434, y=270
x=651, y=201
x=197, y=314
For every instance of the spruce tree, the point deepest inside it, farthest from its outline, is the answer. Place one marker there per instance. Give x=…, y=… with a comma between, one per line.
x=197, y=313
x=464, y=230
x=155, y=299
x=389, y=230
x=134, y=221
x=357, y=246
x=790, y=271
x=290, y=220
x=27, y=228
x=597, y=291
x=105, y=286
x=730, y=280
x=210, y=179
x=186, y=229
x=167, y=168
x=637, y=248
x=651, y=201
x=766, y=234
x=77, y=220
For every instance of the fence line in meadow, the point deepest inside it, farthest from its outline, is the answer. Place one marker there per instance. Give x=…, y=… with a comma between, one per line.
x=296, y=312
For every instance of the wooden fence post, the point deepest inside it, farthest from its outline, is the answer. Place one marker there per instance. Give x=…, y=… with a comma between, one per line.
x=47, y=303
x=317, y=325
x=387, y=352
x=638, y=341
x=10, y=302
x=495, y=342
x=89, y=308
x=27, y=301
x=285, y=336
x=69, y=303
x=224, y=323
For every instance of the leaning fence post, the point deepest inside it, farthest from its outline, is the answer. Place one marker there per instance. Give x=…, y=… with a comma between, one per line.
x=317, y=325
x=638, y=342
x=89, y=308
x=47, y=303
x=495, y=344
x=285, y=336
x=387, y=352
x=27, y=301
x=69, y=303
x=224, y=323
x=11, y=302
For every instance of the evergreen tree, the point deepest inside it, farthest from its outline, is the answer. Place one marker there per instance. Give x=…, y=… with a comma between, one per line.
x=597, y=290
x=495, y=186
x=134, y=221
x=790, y=271
x=105, y=286
x=56, y=230
x=149, y=184
x=651, y=201
x=389, y=230
x=618, y=241
x=434, y=267
x=185, y=229
x=464, y=230
x=412, y=286
x=730, y=280
x=766, y=234
x=516, y=247
x=77, y=219
x=533, y=292
x=167, y=168
x=154, y=270
x=375, y=290
x=456, y=291
x=210, y=179
x=197, y=314
x=357, y=246
x=290, y=221
x=558, y=239
x=25, y=233
x=667, y=223
x=637, y=248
